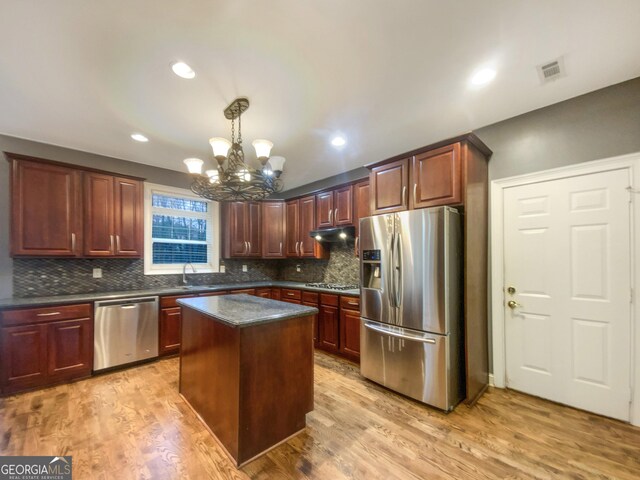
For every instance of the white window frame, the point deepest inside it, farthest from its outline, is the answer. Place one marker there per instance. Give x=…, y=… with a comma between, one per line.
x=213, y=232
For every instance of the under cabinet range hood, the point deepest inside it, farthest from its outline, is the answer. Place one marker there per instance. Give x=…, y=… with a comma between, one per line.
x=338, y=234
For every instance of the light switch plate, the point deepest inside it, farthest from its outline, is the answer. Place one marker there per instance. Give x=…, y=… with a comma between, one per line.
x=222, y=268
x=298, y=269
x=245, y=268
x=97, y=273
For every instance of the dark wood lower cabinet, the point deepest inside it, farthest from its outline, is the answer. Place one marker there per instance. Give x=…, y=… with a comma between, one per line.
x=169, y=330
x=38, y=350
x=328, y=328
x=24, y=357
x=70, y=349
x=350, y=334
x=263, y=292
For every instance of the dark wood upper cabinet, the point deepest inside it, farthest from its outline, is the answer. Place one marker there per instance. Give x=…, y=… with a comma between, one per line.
x=300, y=220
x=435, y=178
x=112, y=216
x=62, y=211
x=241, y=220
x=361, y=208
x=334, y=208
x=273, y=230
x=292, y=218
x=343, y=213
x=324, y=210
x=389, y=187
x=99, y=239
x=308, y=245
x=128, y=219
x=46, y=209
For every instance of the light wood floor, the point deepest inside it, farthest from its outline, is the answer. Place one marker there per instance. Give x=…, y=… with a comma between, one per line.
x=133, y=424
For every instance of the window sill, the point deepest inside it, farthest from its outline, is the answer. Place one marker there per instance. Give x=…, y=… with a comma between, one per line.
x=179, y=271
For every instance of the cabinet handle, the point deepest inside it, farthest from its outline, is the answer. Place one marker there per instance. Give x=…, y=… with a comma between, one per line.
x=357, y=241
x=415, y=187
x=353, y=303
x=280, y=248
x=297, y=251
x=111, y=243
x=290, y=294
x=404, y=195
x=118, y=243
x=330, y=216
x=47, y=314
x=301, y=248
x=73, y=242
x=249, y=250
x=335, y=215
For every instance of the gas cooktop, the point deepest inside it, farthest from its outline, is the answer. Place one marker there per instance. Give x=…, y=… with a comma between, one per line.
x=333, y=286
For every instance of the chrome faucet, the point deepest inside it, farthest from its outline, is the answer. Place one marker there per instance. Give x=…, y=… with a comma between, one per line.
x=184, y=272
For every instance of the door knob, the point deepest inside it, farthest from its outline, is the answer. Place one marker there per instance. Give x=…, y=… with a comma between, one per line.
x=513, y=304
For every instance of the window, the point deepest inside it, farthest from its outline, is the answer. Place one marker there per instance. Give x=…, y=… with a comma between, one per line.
x=180, y=227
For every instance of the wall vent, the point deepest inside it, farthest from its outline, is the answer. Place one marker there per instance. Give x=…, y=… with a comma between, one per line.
x=550, y=71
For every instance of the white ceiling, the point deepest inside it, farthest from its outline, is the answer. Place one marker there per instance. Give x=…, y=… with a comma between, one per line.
x=390, y=75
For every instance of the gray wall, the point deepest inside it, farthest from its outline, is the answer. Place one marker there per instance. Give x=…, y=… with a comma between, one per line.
x=328, y=182
x=598, y=125
x=52, y=152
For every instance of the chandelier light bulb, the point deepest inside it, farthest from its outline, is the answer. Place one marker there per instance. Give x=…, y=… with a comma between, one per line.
x=277, y=164
x=220, y=147
x=263, y=149
x=194, y=165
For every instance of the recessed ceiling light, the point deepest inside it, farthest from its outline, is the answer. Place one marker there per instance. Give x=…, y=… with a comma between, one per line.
x=183, y=70
x=138, y=137
x=338, y=141
x=483, y=76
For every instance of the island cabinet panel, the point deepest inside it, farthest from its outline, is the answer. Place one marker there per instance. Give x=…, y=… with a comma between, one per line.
x=435, y=177
x=261, y=388
x=243, y=236
x=169, y=330
x=311, y=299
x=390, y=183
x=273, y=230
x=46, y=209
x=44, y=346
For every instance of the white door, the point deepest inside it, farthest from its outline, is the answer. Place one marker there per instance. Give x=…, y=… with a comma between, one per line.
x=567, y=255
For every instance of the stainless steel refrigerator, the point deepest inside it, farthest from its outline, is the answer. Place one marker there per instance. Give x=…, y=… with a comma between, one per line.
x=411, y=304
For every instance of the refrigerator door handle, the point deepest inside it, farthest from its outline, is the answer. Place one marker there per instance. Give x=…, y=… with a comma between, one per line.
x=398, y=269
x=389, y=331
x=390, y=274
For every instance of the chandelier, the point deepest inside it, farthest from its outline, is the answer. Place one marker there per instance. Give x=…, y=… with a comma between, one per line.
x=234, y=179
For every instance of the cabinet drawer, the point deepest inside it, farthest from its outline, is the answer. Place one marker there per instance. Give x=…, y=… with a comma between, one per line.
x=350, y=303
x=310, y=297
x=291, y=294
x=248, y=291
x=172, y=301
x=45, y=314
x=328, y=299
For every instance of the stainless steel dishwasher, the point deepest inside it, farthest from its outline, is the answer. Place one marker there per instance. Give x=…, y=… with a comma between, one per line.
x=125, y=331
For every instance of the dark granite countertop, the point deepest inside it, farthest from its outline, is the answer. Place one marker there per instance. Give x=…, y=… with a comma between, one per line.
x=195, y=290
x=244, y=310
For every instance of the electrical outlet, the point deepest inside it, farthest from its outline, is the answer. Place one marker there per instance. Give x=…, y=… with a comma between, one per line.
x=97, y=273
x=298, y=269
x=245, y=268
x=222, y=268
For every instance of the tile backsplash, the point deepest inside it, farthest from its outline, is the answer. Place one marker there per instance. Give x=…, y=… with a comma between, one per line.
x=34, y=277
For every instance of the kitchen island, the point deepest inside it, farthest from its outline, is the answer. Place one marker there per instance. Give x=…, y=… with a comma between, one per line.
x=246, y=369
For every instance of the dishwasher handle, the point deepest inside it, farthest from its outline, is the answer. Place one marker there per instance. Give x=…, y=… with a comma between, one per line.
x=126, y=302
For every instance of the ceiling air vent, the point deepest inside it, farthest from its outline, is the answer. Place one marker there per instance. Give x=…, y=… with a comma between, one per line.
x=551, y=70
